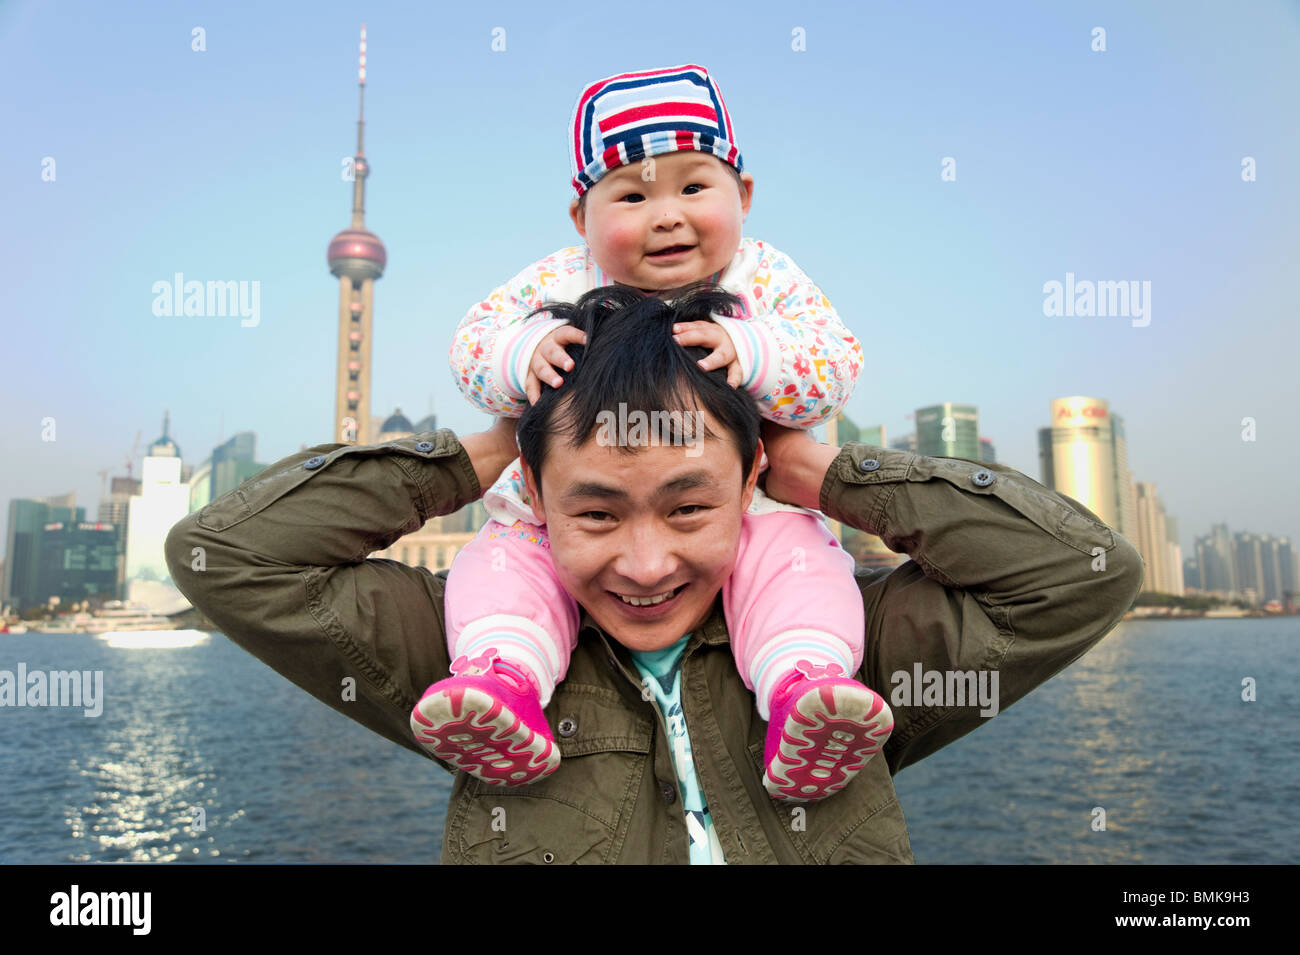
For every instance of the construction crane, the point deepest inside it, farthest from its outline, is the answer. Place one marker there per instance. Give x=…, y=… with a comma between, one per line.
x=135, y=448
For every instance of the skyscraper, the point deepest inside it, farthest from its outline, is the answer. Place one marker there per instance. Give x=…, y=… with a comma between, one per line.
x=357, y=258
x=114, y=509
x=1125, y=487
x=1287, y=570
x=948, y=431
x=78, y=560
x=1152, y=537
x=1174, y=564
x=1248, y=559
x=1077, y=458
x=1214, y=554
x=27, y=520
x=163, y=500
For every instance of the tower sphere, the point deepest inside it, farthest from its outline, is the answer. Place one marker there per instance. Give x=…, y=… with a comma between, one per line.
x=357, y=254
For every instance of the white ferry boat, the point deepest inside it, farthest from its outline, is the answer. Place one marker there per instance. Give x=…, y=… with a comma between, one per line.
x=113, y=617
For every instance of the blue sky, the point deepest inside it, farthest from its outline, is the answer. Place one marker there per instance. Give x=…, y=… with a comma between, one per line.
x=225, y=165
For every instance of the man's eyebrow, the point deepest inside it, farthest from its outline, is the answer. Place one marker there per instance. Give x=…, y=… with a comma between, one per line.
x=586, y=489
x=594, y=489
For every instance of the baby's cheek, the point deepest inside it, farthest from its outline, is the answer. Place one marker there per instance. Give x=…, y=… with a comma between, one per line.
x=624, y=239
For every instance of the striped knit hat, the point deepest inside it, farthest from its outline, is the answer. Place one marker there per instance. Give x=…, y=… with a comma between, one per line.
x=625, y=118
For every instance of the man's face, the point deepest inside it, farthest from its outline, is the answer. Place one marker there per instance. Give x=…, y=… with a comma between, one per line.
x=693, y=201
x=644, y=524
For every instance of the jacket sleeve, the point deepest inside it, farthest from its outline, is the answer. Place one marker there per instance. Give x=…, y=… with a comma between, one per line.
x=495, y=341
x=799, y=360
x=1005, y=576
x=280, y=566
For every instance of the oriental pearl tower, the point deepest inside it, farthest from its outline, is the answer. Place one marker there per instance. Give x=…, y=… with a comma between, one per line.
x=357, y=257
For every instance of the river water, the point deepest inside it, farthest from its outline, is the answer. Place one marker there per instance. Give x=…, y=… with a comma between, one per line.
x=204, y=754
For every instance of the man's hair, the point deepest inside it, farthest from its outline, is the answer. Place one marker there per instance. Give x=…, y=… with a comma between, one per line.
x=735, y=174
x=630, y=358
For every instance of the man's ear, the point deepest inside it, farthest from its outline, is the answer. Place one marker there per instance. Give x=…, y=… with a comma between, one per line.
x=751, y=479
x=533, y=486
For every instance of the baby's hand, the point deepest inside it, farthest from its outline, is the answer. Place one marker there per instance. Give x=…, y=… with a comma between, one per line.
x=549, y=357
x=711, y=335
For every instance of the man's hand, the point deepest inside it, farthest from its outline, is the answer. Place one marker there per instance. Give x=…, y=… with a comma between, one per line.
x=491, y=450
x=711, y=335
x=549, y=358
x=797, y=465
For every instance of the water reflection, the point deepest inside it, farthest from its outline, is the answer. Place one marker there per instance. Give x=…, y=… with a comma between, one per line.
x=146, y=773
x=154, y=639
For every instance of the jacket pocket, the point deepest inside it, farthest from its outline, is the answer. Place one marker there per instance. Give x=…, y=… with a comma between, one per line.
x=861, y=824
x=265, y=488
x=578, y=814
x=1064, y=518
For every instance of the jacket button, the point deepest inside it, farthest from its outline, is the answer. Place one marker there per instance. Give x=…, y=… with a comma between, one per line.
x=870, y=464
x=312, y=464
x=567, y=727
x=548, y=857
x=982, y=478
x=668, y=792
x=424, y=446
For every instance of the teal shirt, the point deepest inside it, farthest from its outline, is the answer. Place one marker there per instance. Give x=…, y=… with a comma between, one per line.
x=661, y=672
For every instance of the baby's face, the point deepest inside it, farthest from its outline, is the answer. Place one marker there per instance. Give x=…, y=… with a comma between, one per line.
x=693, y=201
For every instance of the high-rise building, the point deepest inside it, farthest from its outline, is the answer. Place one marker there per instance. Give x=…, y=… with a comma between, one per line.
x=28, y=518
x=988, y=453
x=1174, y=561
x=114, y=509
x=1248, y=558
x=1077, y=458
x=1125, y=486
x=357, y=258
x=78, y=561
x=1218, y=567
x=1286, y=559
x=163, y=500
x=1152, y=538
x=233, y=463
x=230, y=465
x=948, y=430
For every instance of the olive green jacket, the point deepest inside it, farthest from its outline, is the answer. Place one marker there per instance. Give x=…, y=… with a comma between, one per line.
x=1004, y=575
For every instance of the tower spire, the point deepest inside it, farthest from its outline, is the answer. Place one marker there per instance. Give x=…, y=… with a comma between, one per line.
x=360, y=167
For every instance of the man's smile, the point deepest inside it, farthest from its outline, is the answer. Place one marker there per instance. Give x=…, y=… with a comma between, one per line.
x=649, y=607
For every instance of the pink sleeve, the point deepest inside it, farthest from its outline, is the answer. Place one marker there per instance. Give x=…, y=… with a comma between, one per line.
x=800, y=362
x=494, y=342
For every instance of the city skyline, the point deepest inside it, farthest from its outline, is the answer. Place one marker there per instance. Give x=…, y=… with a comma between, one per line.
x=921, y=288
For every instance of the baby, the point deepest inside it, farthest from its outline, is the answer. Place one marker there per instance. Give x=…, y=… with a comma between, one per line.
x=660, y=200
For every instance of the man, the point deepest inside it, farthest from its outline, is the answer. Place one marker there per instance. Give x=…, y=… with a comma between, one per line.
x=1006, y=580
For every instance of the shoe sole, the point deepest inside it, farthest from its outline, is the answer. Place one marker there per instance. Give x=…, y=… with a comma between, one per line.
x=475, y=732
x=829, y=735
